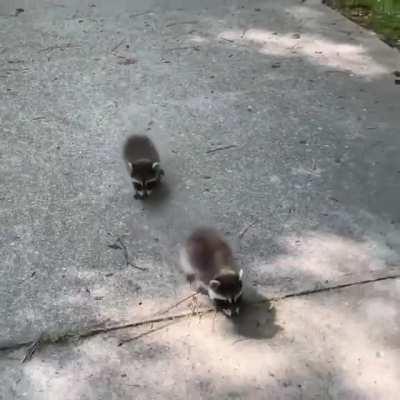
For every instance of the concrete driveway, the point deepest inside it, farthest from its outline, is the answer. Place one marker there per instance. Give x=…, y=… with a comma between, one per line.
x=278, y=123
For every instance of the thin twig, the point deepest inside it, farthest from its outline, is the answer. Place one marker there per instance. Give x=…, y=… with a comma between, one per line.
x=177, y=304
x=227, y=40
x=93, y=332
x=181, y=23
x=120, y=243
x=131, y=339
x=32, y=349
x=96, y=330
x=117, y=46
x=195, y=47
x=245, y=229
x=229, y=146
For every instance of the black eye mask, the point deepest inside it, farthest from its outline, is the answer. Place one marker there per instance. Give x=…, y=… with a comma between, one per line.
x=150, y=185
x=138, y=186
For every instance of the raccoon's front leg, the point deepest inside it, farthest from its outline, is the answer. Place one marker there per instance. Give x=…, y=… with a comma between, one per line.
x=230, y=310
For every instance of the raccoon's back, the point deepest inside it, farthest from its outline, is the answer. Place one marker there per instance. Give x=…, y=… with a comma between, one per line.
x=207, y=252
x=139, y=147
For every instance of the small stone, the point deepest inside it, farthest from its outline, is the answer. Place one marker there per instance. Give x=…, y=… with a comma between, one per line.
x=258, y=9
x=296, y=36
x=276, y=65
x=249, y=108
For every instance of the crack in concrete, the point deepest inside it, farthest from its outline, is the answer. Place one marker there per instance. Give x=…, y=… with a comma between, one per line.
x=336, y=287
x=93, y=331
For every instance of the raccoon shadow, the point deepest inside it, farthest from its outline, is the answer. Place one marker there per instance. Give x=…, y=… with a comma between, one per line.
x=257, y=317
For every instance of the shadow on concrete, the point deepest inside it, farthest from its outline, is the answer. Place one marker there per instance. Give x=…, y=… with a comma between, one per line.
x=257, y=317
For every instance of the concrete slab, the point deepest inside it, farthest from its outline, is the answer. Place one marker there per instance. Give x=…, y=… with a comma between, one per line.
x=306, y=98
x=341, y=345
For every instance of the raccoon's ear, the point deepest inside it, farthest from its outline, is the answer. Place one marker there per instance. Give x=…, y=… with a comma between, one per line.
x=130, y=166
x=214, y=284
x=156, y=166
x=241, y=274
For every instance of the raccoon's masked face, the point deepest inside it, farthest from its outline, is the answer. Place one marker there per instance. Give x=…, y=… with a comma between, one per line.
x=226, y=291
x=145, y=176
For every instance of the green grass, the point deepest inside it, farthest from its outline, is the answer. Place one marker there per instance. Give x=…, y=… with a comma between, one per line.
x=382, y=16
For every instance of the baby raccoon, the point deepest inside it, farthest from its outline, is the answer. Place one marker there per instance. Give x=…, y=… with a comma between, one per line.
x=143, y=163
x=207, y=260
